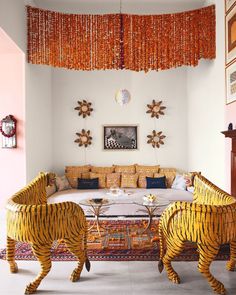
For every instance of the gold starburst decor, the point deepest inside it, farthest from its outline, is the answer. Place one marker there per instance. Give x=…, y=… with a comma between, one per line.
x=84, y=108
x=156, y=139
x=84, y=138
x=155, y=109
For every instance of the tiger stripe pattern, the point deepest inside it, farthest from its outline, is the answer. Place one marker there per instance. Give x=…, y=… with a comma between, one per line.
x=30, y=219
x=209, y=221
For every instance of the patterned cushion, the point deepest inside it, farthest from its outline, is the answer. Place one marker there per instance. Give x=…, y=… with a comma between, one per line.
x=113, y=180
x=103, y=170
x=74, y=172
x=62, y=183
x=101, y=179
x=129, y=180
x=156, y=182
x=147, y=169
x=169, y=173
x=125, y=169
x=87, y=183
x=142, y=182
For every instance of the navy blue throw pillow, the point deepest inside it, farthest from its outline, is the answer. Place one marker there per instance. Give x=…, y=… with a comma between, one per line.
x=159, y=182
x=87, y=183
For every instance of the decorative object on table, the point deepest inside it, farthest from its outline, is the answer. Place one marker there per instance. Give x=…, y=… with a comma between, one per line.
x=122, y=97
x=230, y=127
x=150, y=198
x=211, y=218
x=155, y=109
x=229, y=4
x=41, y=224
x=156, y=139
x=8, y=130
x=120, y=137
x=120, y=41
x=84, y=138
x=230, y=42
x=84, y=108
x=230, y=76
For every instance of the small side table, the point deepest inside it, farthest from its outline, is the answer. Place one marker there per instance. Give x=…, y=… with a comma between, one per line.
x=151, y=208
x=96, y=208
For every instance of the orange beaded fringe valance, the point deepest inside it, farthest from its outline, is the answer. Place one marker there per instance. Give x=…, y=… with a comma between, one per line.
x=120, y=41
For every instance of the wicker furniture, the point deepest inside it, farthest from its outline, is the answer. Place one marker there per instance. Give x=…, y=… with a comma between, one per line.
x=210, y=220
x=30, y=219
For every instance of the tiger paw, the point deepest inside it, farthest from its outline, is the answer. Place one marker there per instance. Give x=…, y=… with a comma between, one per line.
x=30, y=289
x=75, y=276
x=174, y=278
x=13, y=267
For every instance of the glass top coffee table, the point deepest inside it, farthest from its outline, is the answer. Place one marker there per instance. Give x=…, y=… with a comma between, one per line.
x=152, y=209
x=97, y=207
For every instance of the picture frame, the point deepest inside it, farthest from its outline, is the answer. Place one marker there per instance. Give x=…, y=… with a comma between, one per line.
x=120, y=137
x=230, y=81
x=230, y=36
x=229, y=4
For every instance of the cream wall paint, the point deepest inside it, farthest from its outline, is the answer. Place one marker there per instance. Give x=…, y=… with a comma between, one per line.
x=100, y=87
x=206, y=100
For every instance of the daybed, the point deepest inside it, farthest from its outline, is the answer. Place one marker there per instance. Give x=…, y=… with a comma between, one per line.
x=123, y=204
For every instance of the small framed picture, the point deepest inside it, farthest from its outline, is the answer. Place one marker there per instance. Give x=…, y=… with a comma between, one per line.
x=229, y=4
x=230, y=79
x=118, y=137
x=230, y=35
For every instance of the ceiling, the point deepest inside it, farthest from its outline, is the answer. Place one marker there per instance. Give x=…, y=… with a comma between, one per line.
x=113, y=6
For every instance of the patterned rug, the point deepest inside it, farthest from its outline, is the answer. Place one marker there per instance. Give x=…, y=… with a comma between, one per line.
x=122, y=240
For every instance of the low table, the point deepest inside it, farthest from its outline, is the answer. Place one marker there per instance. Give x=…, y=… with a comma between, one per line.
x=151, y=208
x=96, y=208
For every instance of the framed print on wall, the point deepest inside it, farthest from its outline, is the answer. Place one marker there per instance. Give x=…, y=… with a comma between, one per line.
x=230, y=35
x=117, y=137
x=229, y=4
x=230, y=76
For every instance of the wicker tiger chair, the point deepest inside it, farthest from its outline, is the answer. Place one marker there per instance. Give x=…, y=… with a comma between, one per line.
x=30, y=219
x=209, y=221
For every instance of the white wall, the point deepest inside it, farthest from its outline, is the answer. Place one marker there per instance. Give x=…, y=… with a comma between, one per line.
x=100, y=87
x=206, y=99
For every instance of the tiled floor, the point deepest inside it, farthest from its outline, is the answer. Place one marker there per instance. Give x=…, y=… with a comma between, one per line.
x=105, y=278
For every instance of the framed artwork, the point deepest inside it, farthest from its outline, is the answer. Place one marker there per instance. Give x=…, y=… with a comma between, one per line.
x=230, y=79
x=117, y=137
x=229, y=4
x=230, y=35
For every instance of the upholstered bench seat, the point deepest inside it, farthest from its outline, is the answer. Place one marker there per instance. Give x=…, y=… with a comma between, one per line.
x=123, y=204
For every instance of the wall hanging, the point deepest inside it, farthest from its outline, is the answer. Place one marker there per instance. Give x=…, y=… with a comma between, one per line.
x=84, y=108
x=156, y=139
x=8, y=130
x=155, y=109
x=120, y=41
x=122, y=97
x=120, y=137
x=84, y=138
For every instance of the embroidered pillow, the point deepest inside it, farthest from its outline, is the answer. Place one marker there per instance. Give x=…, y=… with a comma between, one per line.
x=62, y=183
x=87, y=183
x=113, y=180
x=125, y=169
x=179, y=183
x=74, y=172
x=101, y=179
x=170, y=176
x=142, y=182
x=103, y=170
x=129, y=180
x=156, y=182
x=147, y=169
